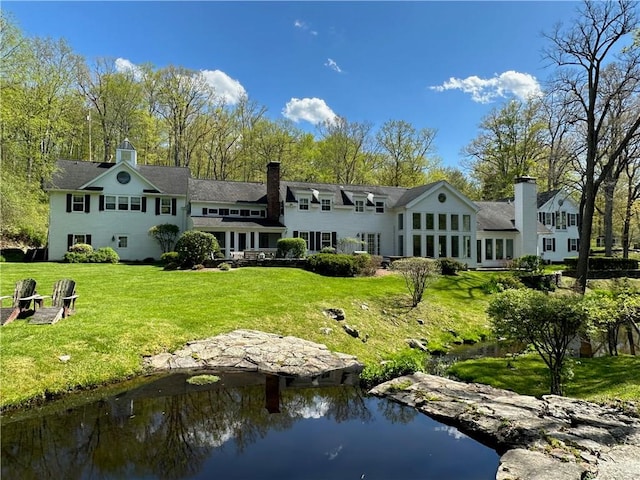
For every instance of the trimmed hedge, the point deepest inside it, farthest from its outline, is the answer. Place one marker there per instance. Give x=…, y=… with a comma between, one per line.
x=333, y=264
x=291, y=248
x=605, y=263
x=102, y=255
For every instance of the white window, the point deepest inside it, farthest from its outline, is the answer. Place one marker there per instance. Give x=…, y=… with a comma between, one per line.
x=303, y=204
x=379, y=207
x=573, y=244
x=123, y=203
x=549, y=245
x=136, y=203
x=305, y=237
x=79, y=238
x=109, y=202
x=466, y=223
x=548, y=218
x=326, y=205
x=325, y=240
x=165, y=206
x=78, y=203
x=454, y=221
x=359, y=206
x=572, y=219
x=123, y=240
x=234, y=212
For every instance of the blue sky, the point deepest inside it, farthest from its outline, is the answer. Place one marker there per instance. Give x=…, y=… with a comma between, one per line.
x=441, y=65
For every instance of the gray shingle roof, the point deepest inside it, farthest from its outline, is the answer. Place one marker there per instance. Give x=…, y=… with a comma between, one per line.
x=342, y=194
x=544, y=197
x=72, y=174
x=227, y=192
x=495, y=216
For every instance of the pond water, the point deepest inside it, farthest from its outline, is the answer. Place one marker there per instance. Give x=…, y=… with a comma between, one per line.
x=245, y=426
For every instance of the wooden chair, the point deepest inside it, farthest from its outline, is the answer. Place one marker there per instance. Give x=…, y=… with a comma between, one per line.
x=23, y=295
x=63, y=303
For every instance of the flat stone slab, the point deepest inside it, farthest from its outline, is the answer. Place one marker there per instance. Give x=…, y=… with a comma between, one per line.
x=250, y=350
x=555, y=438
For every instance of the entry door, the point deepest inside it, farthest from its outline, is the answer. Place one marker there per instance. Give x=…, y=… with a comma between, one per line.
x=242, y=242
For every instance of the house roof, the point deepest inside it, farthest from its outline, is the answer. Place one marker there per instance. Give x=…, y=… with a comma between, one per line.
x=342, y=195
x=227, y=222
x=544, y=197
x=73, y=175
x=495, y=216
x=227, y=192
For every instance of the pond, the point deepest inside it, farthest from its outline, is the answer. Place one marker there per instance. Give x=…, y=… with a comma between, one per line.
x=244, y=426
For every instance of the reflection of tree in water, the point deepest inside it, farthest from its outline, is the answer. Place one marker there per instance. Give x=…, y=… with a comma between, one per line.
x=164, y=436
x=396, y=413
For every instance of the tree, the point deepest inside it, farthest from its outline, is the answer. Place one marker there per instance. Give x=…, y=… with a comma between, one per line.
x=165, y=234
x=194, y=247
x=581, y=53
x=510, y=144
x=418, y=274
x=405, y=152
x=548, y=322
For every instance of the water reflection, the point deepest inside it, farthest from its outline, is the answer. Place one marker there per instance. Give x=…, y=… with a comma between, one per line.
x=244, y=426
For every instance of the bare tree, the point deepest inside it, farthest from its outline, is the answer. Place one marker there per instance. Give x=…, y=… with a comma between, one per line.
x=581, y=53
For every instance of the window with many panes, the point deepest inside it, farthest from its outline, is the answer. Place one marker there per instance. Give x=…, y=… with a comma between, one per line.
x=442, y=221
x=135, y=203
x=373, y=243
x=78, y=203
x=454, y=221
x=109, y=202
x=123, y=241
x=379, y=207
x=305, y=237
x=165, y=206
x=466, y=223
x=326, y=205
x=325, y=239
x=573, y=244
x=123, y=203
x=303, y=204
x=359, y=206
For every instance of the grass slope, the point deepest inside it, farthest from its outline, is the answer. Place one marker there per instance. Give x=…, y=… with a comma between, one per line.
x=127, y=311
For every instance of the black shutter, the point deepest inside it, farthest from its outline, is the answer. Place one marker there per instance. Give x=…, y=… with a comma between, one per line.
x=87, y=203
x=88, y=239
x=553, y=219
x=69, y=241
x=334, y=239
x=312, y=241
x=174, y=206
x=144, y=204
x=553, y=244
x=295, y=234
x=544, y=244
x=101, y=203
x=204, y=211
x=69, y=200
x=568, y=244
x=319, y=240
x=157, y=205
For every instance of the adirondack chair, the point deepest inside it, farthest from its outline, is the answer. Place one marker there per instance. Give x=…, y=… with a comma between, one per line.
x=23, y=295
x=63, y=303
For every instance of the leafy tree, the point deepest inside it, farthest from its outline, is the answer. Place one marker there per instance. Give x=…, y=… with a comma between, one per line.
x=194, y=247
x=510, y=144
x=581, y=52
x=548, y=322
x=405, y=153
x=418, y=274
x=166, y=235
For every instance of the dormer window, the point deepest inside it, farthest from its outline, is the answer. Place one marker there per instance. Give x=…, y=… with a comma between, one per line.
x=326, y=204
x=359, y=206
x=303, y=204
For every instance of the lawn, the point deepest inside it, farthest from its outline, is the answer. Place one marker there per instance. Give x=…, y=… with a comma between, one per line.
x=127, y=311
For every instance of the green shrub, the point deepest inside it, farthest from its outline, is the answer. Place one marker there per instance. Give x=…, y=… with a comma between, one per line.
x=104, y=255
x=291, y=248
x=449, y=266
x=328, y=250
x=81, y=248
x=169, y=257
x=500, y=283
x=2, y=259
x=194, y=247
x=605, y=263
x=367, y=265
x=527, y=265
x=225, y=267
x=403, y=363
x=73, y=257
x=333, y=264
x=13, y=254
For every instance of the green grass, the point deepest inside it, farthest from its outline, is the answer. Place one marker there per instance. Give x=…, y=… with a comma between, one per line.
x=127, y=311
x=596, y=379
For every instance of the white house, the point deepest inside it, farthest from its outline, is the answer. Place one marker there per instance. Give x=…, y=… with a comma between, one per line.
x=115, y=204
x=559, y=213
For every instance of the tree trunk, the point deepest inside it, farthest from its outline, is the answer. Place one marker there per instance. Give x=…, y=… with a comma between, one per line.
x=556, y=379
x=609, y=189
x=587, y=210
x=632, y=346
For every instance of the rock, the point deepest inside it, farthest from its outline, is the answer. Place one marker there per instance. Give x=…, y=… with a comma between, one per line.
x=417, y=344
x=64, y=358
x=335, y=313
x=250, y=350
x=553, y=437
x=364, y=306
x=351, y=331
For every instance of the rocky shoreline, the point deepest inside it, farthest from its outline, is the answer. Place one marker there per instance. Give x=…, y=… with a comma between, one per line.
x=538, y=439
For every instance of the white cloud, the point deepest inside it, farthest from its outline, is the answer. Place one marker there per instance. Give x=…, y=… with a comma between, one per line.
x=333, y=65
x=227, y=88
x=485, y=90
x=312, y=110
x=124, y=65
x=303, y=26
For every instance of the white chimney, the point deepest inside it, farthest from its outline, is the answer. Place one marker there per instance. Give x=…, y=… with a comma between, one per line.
x=526, y=206
x=125, y=152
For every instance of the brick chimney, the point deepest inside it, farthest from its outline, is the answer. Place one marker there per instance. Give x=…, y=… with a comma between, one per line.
x=273, y=191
